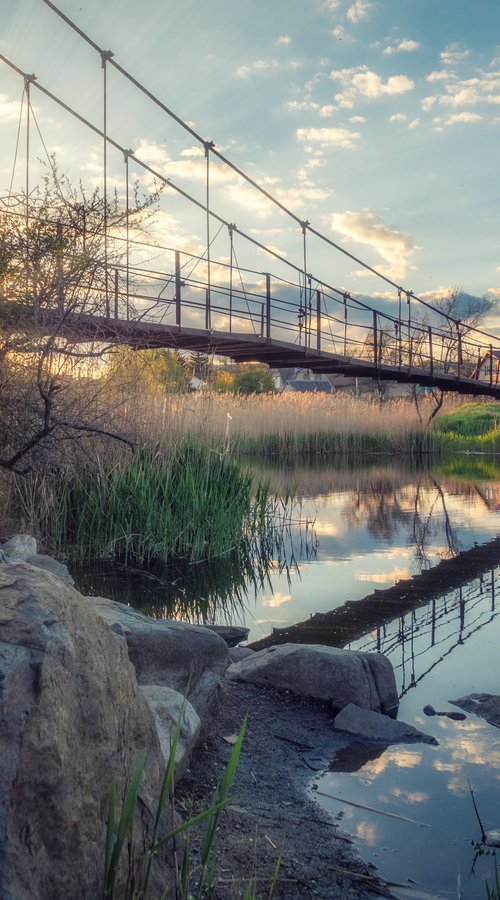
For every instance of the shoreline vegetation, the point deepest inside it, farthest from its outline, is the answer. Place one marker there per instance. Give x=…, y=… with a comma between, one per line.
x=187, y=493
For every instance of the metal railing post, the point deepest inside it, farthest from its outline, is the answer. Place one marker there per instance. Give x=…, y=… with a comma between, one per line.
x=116, y=293
x=459, y=367
x=268, y=307
x=431, y=358
x=177, y=288
x=375, y=348
x=262, y=320
x=491, y=364
x=208, y=312
x=318, y=320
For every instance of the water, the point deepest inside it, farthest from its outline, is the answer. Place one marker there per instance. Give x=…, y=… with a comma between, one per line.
x=375, y=526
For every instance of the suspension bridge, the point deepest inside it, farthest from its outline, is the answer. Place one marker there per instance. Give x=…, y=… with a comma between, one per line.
x=146, y=294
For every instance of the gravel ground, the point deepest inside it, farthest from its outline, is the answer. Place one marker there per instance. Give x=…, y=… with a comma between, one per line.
x=288, y=738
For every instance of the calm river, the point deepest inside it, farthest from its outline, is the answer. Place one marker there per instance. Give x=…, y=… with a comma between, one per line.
x=352, y=533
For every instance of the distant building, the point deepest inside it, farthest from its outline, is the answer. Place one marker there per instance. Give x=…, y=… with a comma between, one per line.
x=488, y=367
x=301, y=381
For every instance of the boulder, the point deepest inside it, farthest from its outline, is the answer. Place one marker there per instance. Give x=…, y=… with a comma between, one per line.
x=485, y=705
x=168, y=707
x=326, y=673
x=231, y=634
x=71, y=715
x=51, y=565
x=190, y=659
x=376, y=728
x=236, y=654
x=20, y=547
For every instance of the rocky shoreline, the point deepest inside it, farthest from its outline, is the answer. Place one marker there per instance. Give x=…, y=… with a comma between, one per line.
x=87, y=684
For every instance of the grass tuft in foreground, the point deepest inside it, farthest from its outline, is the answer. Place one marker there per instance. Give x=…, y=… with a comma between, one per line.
x=194, y=877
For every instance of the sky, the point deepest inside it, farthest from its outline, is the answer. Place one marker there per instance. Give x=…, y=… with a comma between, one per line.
x=377, y=121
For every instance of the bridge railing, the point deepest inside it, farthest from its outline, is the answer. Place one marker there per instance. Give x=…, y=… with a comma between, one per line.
x=220, y=297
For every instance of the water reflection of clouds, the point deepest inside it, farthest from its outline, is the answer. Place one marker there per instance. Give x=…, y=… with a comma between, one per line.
x=399, y=757
x=390, y=577
x=368, y=832
x=411, y=797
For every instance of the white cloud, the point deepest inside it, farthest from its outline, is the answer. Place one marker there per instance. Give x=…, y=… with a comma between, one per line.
x=462, y=117
x=339, y=137
x=398, y=117
x=259, y=65
x=358, y=11
x=404, y=46
x=9, y=109
x=394, y=246
x=276, y=600
x=361, y=81
x=302, y=196
x=443, y=75
x=284, y=40
x=192, y=166
x=453, y=54
x=428, y=103
x=302, y=105
x=192, y=152
x=339, y=33
x=414, y=123
x=473, y=91
x=324, y=111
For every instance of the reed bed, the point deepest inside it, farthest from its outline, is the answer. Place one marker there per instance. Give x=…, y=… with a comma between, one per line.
x=293, y=426
x=192, y=503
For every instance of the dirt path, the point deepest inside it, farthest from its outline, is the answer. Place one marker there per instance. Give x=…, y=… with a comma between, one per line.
x=288, y=738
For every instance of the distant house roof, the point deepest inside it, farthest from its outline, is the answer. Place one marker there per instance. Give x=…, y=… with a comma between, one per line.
x=302, y=386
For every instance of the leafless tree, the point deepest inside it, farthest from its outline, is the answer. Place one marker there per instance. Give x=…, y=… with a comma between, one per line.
x=57, y=249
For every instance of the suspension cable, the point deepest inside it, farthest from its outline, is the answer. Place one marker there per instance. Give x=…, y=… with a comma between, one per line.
x=228, y=162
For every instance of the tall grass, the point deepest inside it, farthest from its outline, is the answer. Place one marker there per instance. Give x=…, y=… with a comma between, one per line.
x=192, y=503
x=298, y=426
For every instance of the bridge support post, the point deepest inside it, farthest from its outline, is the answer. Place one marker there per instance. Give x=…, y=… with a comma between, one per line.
x=116, y=293
x=431, y=358
x=375, y=339
x=268, y=307
x=318, y=320
x=208, y=312
x=177, y=288
x=491, y=364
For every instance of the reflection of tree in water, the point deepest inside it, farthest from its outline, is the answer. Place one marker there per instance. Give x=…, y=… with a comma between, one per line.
x=380, y=506
x=383, y=507
x=427, y=524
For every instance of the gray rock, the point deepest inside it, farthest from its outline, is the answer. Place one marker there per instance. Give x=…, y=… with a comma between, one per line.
x=190, y=659
x=485, y=705
x=236, y=654
x=231, y=634
x=326, y=673
x=374, y=727
x=167, y=707
x=20, y=547
x=51, y=565
x=71, y=715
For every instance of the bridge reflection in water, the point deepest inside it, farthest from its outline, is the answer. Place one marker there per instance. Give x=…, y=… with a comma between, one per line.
x=418, y=622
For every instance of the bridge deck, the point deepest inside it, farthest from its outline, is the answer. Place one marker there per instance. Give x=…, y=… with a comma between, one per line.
x=243, y=347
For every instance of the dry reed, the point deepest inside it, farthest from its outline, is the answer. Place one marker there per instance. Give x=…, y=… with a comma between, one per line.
x=294, y=424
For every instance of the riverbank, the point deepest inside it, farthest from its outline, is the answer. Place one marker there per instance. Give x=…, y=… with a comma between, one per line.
x=288, y=739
